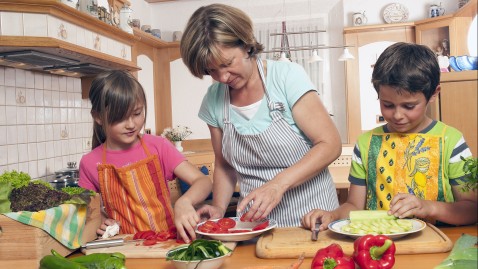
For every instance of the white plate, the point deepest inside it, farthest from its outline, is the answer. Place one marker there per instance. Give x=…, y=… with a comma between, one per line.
x=394, y=13
x=336, y=227
x=235, y=237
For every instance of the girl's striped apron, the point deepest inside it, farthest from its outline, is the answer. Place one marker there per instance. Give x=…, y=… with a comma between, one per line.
x=137, y=194
x=258, y=158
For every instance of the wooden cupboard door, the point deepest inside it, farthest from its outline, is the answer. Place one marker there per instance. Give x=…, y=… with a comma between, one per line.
x=458, y=108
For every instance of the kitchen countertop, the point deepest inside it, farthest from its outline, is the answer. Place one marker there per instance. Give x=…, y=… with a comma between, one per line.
x=244, y=256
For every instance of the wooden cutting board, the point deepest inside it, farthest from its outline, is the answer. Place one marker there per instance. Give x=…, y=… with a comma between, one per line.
x=290, y=242
x=135, y=249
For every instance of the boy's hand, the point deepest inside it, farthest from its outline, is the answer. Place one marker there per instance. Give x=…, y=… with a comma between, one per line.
x=405, y=205
x=320, y=216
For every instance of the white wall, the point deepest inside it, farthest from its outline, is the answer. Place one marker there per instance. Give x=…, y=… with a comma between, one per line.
x=186, y=98
x=145, y=76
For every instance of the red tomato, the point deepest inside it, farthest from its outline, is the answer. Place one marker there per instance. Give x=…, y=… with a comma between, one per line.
x=261, y=226
x=148, y=235
x=149, y=242
x=227, y=223
x=163, y=236
x=204, y=229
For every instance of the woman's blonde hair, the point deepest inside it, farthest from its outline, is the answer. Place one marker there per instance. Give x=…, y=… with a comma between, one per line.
x=113, y=96
x=210, y=27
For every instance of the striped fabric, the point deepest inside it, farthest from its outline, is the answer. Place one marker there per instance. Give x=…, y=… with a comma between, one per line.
x=65, y=222
x=137, y=195
x=259, y=158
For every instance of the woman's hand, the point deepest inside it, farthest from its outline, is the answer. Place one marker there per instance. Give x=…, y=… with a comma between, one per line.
x=263, y=199
x=107, y=222
x=407, y=205
x=318, y=216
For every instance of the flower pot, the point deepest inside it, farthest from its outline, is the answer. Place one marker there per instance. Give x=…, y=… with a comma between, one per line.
x=178, y=146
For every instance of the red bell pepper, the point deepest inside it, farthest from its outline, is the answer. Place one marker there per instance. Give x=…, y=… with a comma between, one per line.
x=374, y=251
x=332, y=257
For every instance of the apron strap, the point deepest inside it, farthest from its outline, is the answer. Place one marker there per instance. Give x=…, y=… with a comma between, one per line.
x=146, y=150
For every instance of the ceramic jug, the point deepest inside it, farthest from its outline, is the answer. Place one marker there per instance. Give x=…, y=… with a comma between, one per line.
x=125, y=19
x=436, y=11
x=89, y=7
x=359, y=19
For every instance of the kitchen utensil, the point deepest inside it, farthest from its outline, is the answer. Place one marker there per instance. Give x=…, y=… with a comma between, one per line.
x=287, y=242
x=315, y=232
x=104, y=243
x=134, y=249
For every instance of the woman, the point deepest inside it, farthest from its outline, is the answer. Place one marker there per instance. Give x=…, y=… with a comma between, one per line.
x=269, y=130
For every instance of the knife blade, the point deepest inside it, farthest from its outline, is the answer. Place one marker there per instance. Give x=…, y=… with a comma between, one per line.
x=315, y=232
x=106, y=243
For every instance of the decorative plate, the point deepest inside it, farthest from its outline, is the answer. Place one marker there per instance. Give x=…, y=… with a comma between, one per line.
x=394, y=13
x=336, y=227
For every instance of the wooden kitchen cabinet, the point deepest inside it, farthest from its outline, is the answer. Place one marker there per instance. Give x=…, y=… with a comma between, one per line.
x=453, y=29
x=457, y=105
x=358, y=71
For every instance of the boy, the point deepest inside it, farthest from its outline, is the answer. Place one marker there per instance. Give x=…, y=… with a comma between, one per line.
x=410, y=166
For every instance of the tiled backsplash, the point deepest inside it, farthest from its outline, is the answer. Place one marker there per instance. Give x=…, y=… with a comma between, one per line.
x=44, y=122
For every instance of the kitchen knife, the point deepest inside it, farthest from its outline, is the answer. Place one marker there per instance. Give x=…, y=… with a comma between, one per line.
x=315, y=232
x=106, y=243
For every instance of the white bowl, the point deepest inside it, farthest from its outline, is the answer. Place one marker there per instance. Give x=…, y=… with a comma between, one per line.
x=213, y=263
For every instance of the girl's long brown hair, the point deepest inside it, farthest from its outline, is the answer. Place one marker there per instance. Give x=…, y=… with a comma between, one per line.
x=113, y=96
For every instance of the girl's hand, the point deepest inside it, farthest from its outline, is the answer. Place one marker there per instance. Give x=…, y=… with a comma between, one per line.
x=105, y=224
x=210, y=212
x=264, y=199
x=185, y=219
x=318, y=216
x=405, y=205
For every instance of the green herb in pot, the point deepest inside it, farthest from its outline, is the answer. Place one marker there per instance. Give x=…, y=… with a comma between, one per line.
x=470, y=180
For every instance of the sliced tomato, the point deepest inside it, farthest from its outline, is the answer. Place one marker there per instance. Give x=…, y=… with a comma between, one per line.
x=204, y=229
x=163, y=236
x=148, y=235
x=261, y=226
x=149, y=242
x=221, y=230
x=227, y=223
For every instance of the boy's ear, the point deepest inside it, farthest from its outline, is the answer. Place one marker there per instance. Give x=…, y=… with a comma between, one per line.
x=96, y=117
x=434, y=97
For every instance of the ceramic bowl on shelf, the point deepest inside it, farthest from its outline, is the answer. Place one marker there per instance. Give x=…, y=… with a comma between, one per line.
x=467, y=62
x=453, y=64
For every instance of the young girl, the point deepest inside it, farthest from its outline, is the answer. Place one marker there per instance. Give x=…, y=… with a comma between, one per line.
x=131, y=170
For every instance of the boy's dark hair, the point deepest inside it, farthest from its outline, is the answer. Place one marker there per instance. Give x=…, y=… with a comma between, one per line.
x=409, y=67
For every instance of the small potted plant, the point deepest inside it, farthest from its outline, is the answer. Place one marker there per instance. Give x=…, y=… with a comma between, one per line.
x=471, y=174
x=177, y=135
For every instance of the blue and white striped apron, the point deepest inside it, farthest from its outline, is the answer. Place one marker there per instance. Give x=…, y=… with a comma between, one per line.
x=258, y=158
